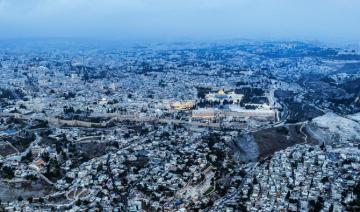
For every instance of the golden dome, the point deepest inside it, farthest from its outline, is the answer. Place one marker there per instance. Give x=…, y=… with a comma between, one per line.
x=221, y=91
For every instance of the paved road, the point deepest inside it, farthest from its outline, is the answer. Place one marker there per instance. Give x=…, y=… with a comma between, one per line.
x=304, y=134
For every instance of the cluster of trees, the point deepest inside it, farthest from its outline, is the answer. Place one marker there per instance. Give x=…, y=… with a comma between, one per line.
x=28, y=158
x=7, y=172
x=162, y=83
x=205, y=103
x=240, y=83
x=201, y=92
x=211, y=140
x=6, y=94
x=316, y=206
x=71, y=110
x=11, y=94
x=89, y=74
x=145, y=68
x=53, y=170
x=69, y=95
x=355, y=204
x=40, y=124
x=68, y=110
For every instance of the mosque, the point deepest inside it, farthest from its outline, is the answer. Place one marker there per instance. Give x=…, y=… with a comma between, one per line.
x=233, y=111
x=221, y=96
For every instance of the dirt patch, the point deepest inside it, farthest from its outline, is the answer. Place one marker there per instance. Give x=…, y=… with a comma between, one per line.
x=11, y=191
x=279, y=138
x=6, y=149
x=260, y=144
x=93, y=149
x=245, y=148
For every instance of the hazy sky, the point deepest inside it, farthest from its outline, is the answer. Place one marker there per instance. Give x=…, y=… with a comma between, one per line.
x=328, y=20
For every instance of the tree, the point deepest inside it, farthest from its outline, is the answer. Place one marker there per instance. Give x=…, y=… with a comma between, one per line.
x=27, y=158
x=242, y=173
x=287, y=195
x=323, y=147
x=30, y=199
x=41, y=200
x=45, y=156
x=255, y=180
x=7, y=172
x=78, y=202
x=355, y=204
x=318, y=205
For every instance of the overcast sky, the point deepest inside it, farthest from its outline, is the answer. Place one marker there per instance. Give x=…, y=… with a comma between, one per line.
x=323, y=20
